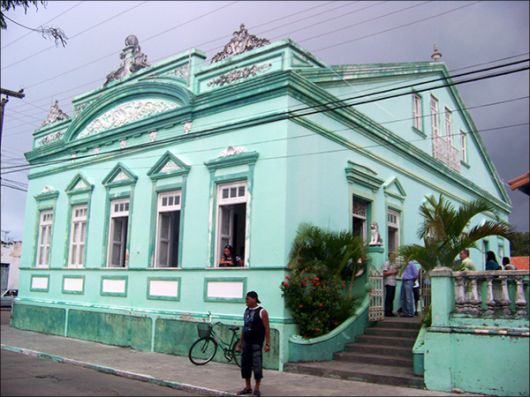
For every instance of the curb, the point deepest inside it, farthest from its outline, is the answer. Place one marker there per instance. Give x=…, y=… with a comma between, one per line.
x=117, y=372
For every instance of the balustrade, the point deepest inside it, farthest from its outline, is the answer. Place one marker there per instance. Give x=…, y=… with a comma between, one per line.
x=487, y=294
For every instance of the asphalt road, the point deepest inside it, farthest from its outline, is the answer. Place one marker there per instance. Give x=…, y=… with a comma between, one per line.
x=27, y=376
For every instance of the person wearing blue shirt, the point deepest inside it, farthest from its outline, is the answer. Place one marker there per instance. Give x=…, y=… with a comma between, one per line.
x=406, y=298
x=491, y=261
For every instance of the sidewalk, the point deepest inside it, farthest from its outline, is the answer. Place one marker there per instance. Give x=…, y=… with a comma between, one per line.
x=178, y=372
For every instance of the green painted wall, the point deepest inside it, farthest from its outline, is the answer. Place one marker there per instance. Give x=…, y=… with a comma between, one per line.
x=48, y=320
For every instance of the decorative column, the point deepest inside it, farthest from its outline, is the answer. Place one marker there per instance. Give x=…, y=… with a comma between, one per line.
x=474, y=301
x=505, y=297
x=490, y=300
x=522, y=305
x=460, y=295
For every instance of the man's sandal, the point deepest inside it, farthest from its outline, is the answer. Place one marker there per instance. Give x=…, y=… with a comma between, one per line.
x=246, y=390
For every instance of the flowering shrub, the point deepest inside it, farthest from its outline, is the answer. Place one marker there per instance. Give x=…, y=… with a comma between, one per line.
x=317, y=292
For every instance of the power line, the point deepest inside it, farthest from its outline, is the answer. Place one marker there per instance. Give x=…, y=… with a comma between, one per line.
x=265, y=120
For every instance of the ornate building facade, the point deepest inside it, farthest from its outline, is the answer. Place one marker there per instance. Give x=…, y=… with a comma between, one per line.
x=138, y=191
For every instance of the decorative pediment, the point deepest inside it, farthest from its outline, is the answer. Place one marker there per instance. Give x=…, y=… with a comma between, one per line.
x=167, y=166
x=79, y=185
x=120, y=175
x=126, y=113
x=241, y=42
x=132, y=60
x=357, y=173
x=231, y=157
x=55, y=114
x=394, y=188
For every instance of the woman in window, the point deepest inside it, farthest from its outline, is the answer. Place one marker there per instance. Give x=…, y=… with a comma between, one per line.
x=228, y=259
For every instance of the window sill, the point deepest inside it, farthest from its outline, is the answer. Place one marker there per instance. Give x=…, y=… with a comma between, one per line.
x=419, y=132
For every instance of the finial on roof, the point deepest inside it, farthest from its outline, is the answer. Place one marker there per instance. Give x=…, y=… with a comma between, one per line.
x=240, y=42
x=436, y=55
x=55, y=114
x=133, y=59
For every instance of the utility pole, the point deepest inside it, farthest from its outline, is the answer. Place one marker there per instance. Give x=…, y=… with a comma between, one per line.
x=20, y=94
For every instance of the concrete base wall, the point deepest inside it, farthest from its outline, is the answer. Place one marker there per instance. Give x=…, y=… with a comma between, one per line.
x=476, y=362
x=140, y=332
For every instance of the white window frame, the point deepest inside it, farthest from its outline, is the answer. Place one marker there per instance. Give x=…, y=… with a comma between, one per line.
x=240, y=197
x=393, y=220
x=76, y=256
x=360, y=216
x=463, y=147
x=449, y=125
x=44, y=238
x=417, y=113
x=120, y=212
x=163, y=205
x=435, y=122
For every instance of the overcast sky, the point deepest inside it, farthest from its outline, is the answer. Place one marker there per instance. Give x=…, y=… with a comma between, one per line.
x=467, y=33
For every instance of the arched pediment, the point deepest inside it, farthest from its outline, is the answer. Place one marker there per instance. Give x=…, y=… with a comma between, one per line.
x=128, y=104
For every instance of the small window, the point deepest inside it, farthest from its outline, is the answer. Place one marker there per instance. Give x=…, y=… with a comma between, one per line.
x=359, y=217
x=118, y=233
x=417, y=113
x=434, y=117
x=76, y=257
x=231, y=222
x=168, y=227
x=463, y=147
x=393, y=230
x=44, y=238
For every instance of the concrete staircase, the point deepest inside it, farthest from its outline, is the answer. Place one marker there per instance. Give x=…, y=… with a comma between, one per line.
x=382, y=355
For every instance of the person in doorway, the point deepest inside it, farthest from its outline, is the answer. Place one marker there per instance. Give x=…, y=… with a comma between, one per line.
x=228, y=259
x=491, y=261
x=467, y=264
x=389, y=274
x=416, y=290
x=406, y=298
x=507, y=265
x=255, y=331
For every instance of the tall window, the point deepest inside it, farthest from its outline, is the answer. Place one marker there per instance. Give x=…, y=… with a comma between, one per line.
x=119, y=222
x=448, y=125
x=417, y=114
x=44, y=239
x=167, y=241
x=78, y=236
x=231, y=218
x=434, y=117
x=359, y=217
x=463, y=146
x=393, y=230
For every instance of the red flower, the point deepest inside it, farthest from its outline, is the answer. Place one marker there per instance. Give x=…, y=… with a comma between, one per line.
x=316, y=278
x=287, y=277
x=285, y=284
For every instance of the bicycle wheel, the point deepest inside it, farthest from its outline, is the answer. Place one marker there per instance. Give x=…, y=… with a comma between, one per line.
x=202, y=351
x=236, y=356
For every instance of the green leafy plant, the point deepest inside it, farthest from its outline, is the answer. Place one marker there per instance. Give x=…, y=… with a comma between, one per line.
x=445, y=231
x=323, y=267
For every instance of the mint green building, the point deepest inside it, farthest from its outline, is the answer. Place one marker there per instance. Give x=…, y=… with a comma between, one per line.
x=132, y=198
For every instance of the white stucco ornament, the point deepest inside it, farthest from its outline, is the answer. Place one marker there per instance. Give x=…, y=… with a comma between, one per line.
x=152, y=136
x=187, y=127
x=123, y=143
x=232, y=150
x=48, y=189
x=170, y=166
x=97, y=150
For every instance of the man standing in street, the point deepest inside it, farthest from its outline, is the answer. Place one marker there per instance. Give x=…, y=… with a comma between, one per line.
x=406, y=298
x=255, y=332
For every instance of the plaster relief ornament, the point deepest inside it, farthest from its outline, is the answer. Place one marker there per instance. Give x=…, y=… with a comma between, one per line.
x=375, y=236
x=239, y=74
x=51, y=138
x=97, y=150
x=187, y=127
x=240, y=43
x=170, y=166
x=232, y=150
x=123, y=143
x=132, y=60
x=152, y=136
x=48, y=189
x=55, y=114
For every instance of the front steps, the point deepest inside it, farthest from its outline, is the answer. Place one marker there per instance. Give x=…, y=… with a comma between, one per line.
x=382, y=355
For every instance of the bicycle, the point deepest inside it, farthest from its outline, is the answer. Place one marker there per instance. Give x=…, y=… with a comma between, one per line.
x=203, y=350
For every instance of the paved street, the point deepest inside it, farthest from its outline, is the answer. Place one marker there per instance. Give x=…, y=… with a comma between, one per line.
x=27, y=376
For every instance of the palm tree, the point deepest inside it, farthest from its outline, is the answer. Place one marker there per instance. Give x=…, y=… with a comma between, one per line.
x=445, y=231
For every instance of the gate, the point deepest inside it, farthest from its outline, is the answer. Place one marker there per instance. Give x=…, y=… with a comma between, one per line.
x=376, y=309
